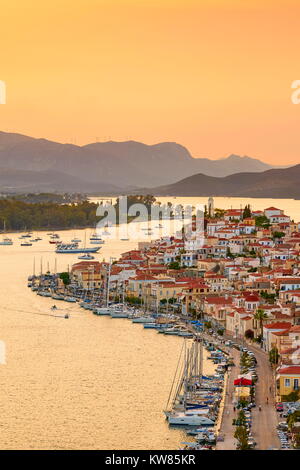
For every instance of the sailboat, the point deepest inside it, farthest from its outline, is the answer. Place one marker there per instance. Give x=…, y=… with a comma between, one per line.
x=5, y=240
x=186, y=408
x=75, y=239
x=107, y=309
x=96, y=239
x=86, y=256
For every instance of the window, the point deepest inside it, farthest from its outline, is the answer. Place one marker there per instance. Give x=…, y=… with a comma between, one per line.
x=296, y=384
x=287, y=382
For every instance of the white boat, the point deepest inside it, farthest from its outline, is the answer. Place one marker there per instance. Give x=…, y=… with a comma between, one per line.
x=26, y=244
x=76, y=240
x=143, y=320
x=96, y=239
x=74, y=248
x=119, y=314
x=102, y=311
x=189, y=419
x=70, y=299
x=6, y=241
x=86, y=256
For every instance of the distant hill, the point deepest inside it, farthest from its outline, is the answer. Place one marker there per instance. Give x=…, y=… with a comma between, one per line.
x=47, y=181
x=275, y=183
x=107, y=166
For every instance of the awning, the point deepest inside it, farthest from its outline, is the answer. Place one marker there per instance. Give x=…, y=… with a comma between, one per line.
x=242, y=382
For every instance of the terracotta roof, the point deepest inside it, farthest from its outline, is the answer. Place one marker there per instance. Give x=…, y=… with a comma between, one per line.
x=278, y=326
x=289, y=370
x=219, y=300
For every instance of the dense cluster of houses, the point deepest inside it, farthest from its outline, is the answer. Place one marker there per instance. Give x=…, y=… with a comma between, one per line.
x=242, y=275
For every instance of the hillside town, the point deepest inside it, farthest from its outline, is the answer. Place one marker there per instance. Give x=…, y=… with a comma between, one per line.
x=244, y=280
x=238, y=282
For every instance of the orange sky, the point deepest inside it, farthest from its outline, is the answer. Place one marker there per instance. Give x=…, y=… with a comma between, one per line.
x=213, y=75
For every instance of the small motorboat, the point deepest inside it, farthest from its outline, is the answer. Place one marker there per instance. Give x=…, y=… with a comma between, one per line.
x=86, y=256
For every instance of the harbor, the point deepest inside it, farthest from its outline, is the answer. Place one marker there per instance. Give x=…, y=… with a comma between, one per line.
x=80, y=383
x=195, y=397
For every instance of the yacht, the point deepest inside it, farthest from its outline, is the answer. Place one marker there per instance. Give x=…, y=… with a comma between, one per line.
x=119, y=311
x=102, y=311
x=190, y=419
x=74, y=248
x=143, y=320
x=70, y=299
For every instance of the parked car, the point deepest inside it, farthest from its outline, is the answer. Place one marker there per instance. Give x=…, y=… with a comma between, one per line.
x=279, y=407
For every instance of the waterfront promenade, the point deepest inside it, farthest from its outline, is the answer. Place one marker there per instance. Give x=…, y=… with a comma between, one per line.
x=263, y=422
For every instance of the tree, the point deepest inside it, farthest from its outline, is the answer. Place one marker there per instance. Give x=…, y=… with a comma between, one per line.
x=262, y=221
x=65, y=278
x=260, y=316
x=241, y=435
x=274, y=356
x=228, y=253
x=277, y=235
x=249, y=334
x=219, y=213
x=293, y=396
x=174, y=265
x=247, y=212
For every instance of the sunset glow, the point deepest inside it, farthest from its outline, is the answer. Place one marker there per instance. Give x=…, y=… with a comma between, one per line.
x=214, y=76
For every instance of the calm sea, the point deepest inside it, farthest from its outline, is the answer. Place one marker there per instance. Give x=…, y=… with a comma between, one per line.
x=88, y=382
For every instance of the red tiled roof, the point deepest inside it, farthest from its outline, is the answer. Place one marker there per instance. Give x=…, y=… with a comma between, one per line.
x=218, y=300
x=278, y=326
x=290, y=370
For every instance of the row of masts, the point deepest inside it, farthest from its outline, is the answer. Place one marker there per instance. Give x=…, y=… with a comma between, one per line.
x=42, y=267
x=189, y=372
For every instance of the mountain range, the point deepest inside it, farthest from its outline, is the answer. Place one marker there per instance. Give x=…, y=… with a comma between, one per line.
x=275, y=183
x=30, y=164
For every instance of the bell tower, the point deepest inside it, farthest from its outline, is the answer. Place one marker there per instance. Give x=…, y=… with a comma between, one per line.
x=211, y=207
